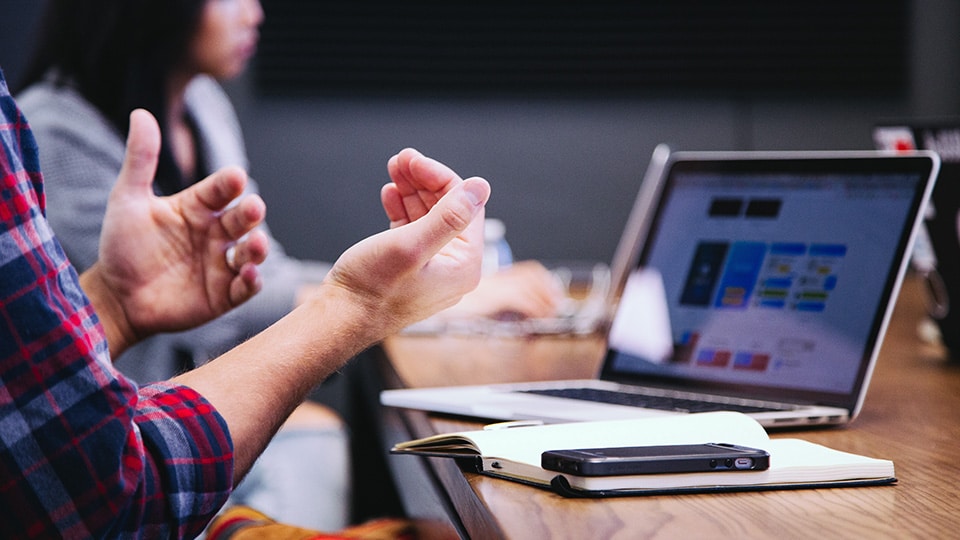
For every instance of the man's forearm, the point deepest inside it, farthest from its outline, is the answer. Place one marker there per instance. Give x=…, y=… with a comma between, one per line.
x=257, y=385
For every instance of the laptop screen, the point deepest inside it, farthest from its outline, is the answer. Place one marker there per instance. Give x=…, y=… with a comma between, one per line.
x=768, y=277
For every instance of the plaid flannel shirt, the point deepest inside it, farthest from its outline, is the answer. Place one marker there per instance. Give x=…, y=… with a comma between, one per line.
x=83, y=452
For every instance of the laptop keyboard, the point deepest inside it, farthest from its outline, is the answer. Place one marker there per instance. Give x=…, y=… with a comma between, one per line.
x=663, y=403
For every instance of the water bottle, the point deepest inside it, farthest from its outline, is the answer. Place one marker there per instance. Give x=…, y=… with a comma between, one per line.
x=496, y=251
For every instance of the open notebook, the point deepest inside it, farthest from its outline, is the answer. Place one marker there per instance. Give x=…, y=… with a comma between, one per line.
x=516, y=454
x=755, y=282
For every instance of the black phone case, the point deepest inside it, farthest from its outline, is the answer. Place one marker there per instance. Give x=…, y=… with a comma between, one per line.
x=712, y=457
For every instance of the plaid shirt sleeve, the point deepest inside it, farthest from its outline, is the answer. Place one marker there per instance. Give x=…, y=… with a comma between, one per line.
x=84, y=453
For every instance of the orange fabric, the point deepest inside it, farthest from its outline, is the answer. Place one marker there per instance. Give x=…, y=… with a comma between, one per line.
x=244, y=523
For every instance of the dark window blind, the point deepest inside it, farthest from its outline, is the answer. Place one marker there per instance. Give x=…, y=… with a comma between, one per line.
x=663, y=47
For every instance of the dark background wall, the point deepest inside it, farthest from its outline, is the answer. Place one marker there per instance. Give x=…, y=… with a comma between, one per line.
x=565, y=163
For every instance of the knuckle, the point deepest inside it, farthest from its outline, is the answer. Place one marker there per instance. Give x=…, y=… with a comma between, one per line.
x=454, y=219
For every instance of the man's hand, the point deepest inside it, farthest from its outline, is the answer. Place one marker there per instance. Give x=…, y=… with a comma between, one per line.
x=426, y=262
x=523, y=290
x=418, y=183
x=431, y=256
x=163, y=261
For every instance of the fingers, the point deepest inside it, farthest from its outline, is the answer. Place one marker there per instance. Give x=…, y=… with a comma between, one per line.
x=246, y=284
x=215, y=194
x=141, y=156
x=455, y=214
x=242, y=218
x=216, y=191
x=413, y=171
x=392, y=203
x=243, y=258
x=252, y=249
x=419, y=183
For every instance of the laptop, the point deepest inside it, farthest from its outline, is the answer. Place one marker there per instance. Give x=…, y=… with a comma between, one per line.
x=755, y=282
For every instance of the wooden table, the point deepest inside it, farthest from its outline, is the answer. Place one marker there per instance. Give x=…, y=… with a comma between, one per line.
x=911, y=416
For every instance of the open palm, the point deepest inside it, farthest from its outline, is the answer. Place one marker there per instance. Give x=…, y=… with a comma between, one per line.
x=164, y=257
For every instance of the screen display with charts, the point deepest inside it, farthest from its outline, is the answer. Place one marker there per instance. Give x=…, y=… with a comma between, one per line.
x=775, y=281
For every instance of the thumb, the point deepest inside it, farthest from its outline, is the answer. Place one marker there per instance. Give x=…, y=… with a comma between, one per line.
x=142, y=154
x=453, y=214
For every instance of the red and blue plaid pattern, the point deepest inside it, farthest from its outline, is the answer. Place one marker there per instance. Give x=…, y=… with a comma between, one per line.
x=83, y=452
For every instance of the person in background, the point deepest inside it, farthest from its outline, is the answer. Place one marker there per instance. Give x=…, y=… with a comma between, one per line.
x=85, y=452
x=96, y=61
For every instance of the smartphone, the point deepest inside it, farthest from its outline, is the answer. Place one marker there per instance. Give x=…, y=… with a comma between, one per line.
x=681, y=458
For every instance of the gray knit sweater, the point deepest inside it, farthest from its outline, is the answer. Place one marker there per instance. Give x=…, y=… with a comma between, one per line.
x=80, y=156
